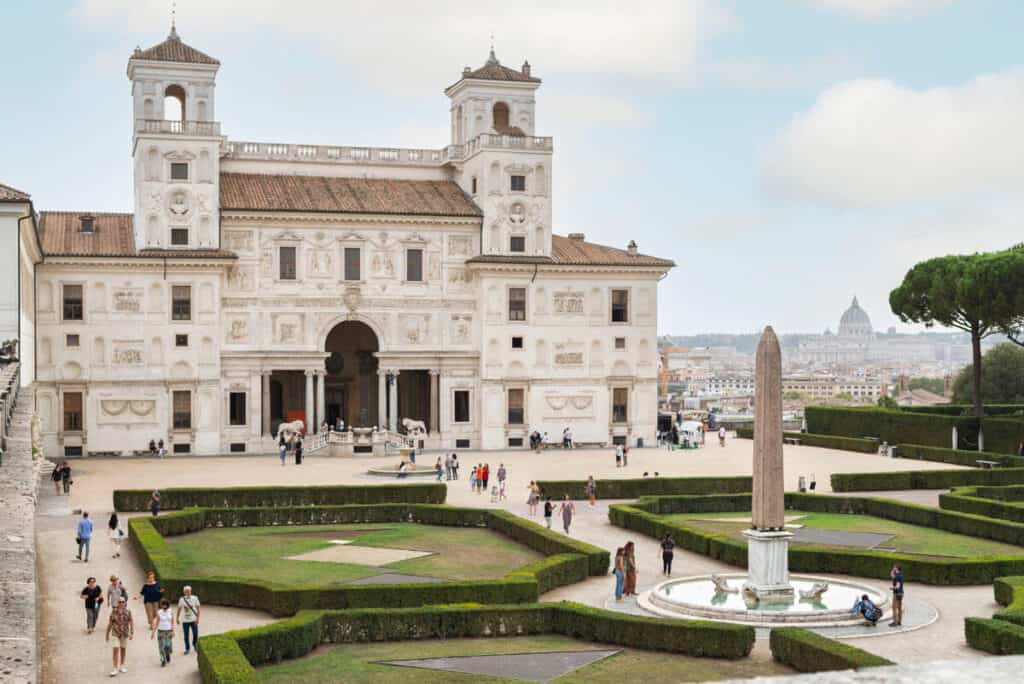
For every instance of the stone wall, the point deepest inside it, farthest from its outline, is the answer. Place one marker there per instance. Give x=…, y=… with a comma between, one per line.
x=19, y=477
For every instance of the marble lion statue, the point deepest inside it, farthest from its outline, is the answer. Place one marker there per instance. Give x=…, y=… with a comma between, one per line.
x=414, y=427
x=722, y=586
x=815, y=592
x=290, y=430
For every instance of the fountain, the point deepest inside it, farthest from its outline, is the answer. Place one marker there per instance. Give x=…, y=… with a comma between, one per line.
x=767, y=594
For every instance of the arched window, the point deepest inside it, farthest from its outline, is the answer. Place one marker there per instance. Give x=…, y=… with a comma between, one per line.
x=500, y=117
x=174, y=103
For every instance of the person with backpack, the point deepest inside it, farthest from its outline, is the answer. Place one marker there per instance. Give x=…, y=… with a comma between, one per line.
x=188, y=617
x=866, y=607
x=56, y=477
x=549, y=511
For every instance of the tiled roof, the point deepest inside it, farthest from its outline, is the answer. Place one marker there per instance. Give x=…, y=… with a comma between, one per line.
x=173, y=50
x=259, y=192
x=576, y=252
x=9, y=194
x=60, y=234
x=493, y=70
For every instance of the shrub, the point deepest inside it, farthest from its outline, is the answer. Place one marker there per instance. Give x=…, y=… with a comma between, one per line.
x=994, y=636
x=925, y=479
x=1009, y=592
x=1003, y=434
x=864, y=446
x=647, y=486
x=967, y=409
x=895, y=426
x=232, y=497
x=964, y=457
x=983, y=501
x=805, y=651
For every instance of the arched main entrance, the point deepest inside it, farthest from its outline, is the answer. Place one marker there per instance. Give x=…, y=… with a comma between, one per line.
x=350, y=387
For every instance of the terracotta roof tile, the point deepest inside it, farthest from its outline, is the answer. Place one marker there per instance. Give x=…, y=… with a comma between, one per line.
x=60, y=234
x=499, y=72
x=260, y=192
x=9, y=194
x=574, y=252
x=173, y=50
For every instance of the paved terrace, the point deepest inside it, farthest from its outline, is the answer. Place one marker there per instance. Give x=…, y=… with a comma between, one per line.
x=70, y=655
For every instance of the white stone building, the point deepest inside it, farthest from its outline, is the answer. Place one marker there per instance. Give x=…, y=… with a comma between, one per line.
x=261, y=282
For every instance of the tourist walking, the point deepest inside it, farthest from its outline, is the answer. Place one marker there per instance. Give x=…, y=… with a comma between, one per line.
x=154, y=503
x=282, y=449
x=668, y=545
x=619, y=569
x=162, y=628
x=567, y=509
x=625, y=456
x=93, y=597
x=631, y=569
x=721, y=436
x=188, y=616
x=472, y=479
x=618, y=455
x=298, y=451
x=116, y=534
x=534, y=497
x=115, y=590
x=122, y=627
x=487, y=475
x=403, y=470
x=151, y=594
x=56, y=477
x=65, y=477
x=897, y=596
x=501, y=480
x=448, y=467
x=455, y=466
x=590, y=489
x=152, y=447
x=439, y=469
x=549, y=511
x=84, y=537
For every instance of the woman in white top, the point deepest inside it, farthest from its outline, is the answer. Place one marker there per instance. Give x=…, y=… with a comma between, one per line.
x=163, y=630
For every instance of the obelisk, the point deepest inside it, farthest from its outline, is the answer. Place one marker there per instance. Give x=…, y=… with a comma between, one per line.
x=768, y=540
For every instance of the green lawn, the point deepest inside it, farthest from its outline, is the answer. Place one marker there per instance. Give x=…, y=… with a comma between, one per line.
x=924, y=541
x=261, y=553
x=354, y=663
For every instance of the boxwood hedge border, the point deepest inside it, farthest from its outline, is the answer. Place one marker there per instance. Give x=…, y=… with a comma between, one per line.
x=1003, y=634
x=646, y=517
x=806, y=651
x=1005, y=503
x=925, y=479
x=647, y=486
x=230, y=658
x=864, y=446
x=178, y=498
x=567, y=560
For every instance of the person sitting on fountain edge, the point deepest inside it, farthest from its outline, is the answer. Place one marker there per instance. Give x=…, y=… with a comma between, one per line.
x=866, y=607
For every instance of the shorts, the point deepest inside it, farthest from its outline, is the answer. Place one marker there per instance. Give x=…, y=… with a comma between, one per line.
x=121, y=642
x=897, y=599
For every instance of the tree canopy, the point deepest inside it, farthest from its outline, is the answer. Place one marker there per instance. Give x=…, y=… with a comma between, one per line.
x=1002, y=369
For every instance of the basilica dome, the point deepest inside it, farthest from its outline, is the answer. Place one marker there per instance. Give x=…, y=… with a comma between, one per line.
x=855, y=322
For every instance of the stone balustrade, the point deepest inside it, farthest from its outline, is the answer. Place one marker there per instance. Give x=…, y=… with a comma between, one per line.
x=211, y=128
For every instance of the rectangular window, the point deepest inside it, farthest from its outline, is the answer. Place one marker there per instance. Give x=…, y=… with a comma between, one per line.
x=461, y=406
x=472, y=185
x=516, y=412
x=181, y=303
x=620, y=343
x=620, y=306
x=517, y=342
x=72, y=302
x=414, y=265
x=236, y=408
x=517, y=243
x=462, y=444
x=352, y=263
x=179, y=170
x=287, y=265
x=88, y=224
x=237, y=447
x=517, y=304
x=518, y=183
x=620, y=404
x=72, y=412
x=181, y=340
x=179, y=236
x=182, y=400
x=71, y=341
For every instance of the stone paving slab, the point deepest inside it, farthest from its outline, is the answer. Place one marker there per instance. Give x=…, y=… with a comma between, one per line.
x=531, y=667
x=863, y=540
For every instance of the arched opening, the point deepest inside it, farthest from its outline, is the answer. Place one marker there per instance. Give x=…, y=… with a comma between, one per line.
x=174, y=103
x=499, y=114
x=350, y=390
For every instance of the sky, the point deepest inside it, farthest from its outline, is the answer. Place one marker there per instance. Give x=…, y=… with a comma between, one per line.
x=788, y=155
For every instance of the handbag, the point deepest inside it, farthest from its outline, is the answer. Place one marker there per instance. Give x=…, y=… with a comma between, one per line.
x=78, y=540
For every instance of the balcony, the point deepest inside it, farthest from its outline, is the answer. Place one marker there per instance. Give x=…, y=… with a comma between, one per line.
x=211, y=128
x=489, y=141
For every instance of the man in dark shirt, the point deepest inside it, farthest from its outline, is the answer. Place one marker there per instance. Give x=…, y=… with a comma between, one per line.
x=93, y=596
x=897, y=596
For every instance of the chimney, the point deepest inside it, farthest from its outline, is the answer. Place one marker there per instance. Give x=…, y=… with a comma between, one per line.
x=631, y=248
x=526, y=69
x=466, y=71
x=578, y=237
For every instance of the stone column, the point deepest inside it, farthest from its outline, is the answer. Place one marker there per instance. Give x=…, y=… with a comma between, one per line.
x=265, y=401
x=310, y=418
x=433, y=427
x=393, y=399
x=382, y=398
x=321, y=398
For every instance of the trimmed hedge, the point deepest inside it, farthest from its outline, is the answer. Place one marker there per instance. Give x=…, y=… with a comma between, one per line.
x=568, y=560
x=864, y=446
x=1004, y=633
x=805, y=651
x=1003, y=434
x=986, y=501
x=230, y=658
x=647, y=486
x=645, y=516
x=1009, y=592
x=966, y=409
x=964, y=457
x=925, y=479
x=177, y=498
x=894, y=426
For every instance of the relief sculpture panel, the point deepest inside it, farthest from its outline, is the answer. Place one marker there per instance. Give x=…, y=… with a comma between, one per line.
x=127, y=353
x=568, y=302
x=128, y=299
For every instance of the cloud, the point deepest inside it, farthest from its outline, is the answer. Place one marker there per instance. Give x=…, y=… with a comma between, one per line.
x=599, y=110
x=762, y=74
x=874, y=10
x=871, y=142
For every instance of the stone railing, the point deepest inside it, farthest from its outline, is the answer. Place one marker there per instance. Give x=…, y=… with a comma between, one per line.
x=177, y=127
x=488, y=141
x=10, y=383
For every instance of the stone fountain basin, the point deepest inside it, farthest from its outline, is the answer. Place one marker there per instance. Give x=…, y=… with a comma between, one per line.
x=691, y=597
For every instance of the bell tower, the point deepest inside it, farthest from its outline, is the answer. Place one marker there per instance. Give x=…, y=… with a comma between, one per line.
x=175, y=147
x=505, y=167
